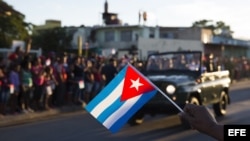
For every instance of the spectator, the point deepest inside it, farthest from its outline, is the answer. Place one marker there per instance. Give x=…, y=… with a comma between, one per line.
x=78, y=75
x=19, y=54
x=89, y=81
x=70, y=84
x=26, y=87
x=124, y=61
x=109, y=71
x=4, y=92
x=16, y=55
x=61, y=79
x=97, y=77
x=38, y=79
x=14, y=79
x=49, y=85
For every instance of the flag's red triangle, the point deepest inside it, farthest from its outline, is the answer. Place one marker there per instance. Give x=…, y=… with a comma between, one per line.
x=134, y=84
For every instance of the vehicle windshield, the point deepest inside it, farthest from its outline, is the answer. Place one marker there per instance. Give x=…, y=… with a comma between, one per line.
x=178, y=61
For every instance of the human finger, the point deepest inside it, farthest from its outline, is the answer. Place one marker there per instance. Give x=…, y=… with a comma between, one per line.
x=187, y=118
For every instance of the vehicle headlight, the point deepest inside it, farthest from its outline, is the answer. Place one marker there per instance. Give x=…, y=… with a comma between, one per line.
x=170, y=89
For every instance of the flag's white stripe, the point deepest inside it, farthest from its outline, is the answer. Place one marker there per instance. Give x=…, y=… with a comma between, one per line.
x=105, y=103
x=120, y=112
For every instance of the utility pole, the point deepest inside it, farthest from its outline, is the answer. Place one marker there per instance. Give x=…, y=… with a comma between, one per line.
x=79, y=43
x=139, y=17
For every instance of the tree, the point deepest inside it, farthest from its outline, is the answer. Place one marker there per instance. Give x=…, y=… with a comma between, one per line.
x=223, y=29
x=12, y=25
x=203, y=23
x=219, y=28
x=55, y=39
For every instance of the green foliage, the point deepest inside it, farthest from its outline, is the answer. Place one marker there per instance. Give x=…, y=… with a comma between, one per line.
x=12, y=27
x=219, y=28
x=55, y=39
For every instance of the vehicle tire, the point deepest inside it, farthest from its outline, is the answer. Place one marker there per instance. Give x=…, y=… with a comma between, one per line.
x=137, y=119
x=194, y=100
x=221, y=106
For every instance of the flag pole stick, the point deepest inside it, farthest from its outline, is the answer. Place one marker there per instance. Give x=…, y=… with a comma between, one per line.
x=177, y=106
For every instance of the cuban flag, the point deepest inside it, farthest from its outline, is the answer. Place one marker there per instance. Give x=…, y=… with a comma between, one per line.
x=121, y=98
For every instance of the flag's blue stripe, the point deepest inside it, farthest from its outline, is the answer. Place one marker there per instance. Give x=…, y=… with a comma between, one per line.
x=123, y=120
x=110, y=110
x=107, y=90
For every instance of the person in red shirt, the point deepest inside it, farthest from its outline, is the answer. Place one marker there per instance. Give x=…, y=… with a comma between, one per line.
x=38, y=80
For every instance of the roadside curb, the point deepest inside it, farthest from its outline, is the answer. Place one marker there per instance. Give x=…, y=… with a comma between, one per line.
x=242, y=81
x=10, y=120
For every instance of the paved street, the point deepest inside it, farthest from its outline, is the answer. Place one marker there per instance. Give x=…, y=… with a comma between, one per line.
x=10, y=120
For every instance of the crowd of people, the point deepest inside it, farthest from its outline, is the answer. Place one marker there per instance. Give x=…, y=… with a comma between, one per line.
x=31, y=83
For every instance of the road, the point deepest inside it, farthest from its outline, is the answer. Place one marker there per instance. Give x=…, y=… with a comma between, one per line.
x=80, y=126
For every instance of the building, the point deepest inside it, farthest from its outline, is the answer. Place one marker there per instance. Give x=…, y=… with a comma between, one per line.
x=49, y=24
x=143, y=40
x=115, y=38
x=140, y=41
x=220, y=46
x=108, y=17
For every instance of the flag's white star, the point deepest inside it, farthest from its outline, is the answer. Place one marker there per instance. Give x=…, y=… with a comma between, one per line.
x=136, y=83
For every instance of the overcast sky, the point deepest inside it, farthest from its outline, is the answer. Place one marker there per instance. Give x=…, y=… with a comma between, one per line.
x=234, y=13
